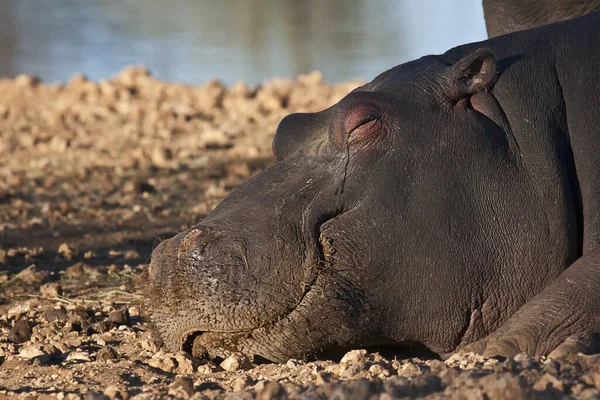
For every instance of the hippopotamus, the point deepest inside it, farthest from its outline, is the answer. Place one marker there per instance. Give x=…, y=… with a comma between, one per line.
x=506, y=16
x=451, y=204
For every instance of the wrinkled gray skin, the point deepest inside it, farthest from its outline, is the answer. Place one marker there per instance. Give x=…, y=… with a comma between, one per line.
x=452, y=201
x=506, y=16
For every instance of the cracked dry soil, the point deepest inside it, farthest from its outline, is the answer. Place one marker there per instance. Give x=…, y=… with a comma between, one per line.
x=93, y=175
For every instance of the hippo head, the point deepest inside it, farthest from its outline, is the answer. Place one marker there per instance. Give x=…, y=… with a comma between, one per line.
x=365, y=232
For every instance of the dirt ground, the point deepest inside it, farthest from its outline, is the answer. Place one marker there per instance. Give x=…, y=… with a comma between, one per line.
x=94, y=174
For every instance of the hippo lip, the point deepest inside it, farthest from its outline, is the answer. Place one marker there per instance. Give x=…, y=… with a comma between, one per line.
x=220, y=342
x=210, y=340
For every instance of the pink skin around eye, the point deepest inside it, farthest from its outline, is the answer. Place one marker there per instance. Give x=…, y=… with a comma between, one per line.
x=359, y=122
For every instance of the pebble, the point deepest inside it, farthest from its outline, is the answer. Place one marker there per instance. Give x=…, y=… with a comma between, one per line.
x=271, y=391
x=20, y=332
x=241, y=383
x=119, y=317
x=164, y=362
x=51, y=290
x=548, y=380
x=186, y=364
x=67, y=251
x=31, y=352
x=234, y=362
x=182, y=386
x=55, y=314
x=114, y=392
x=78, y=356
x=107, y=353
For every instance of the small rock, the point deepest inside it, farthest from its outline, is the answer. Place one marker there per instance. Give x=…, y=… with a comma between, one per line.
x=89, y=254
x=79, y=320
x=182, y=386
x=119, y=317
x=56, y=314
x=525, y=360
x=20, y=332
x=548, y=380
x=186, y=364
x=348, y=371
x=31, y=352
x=116, y=393
x=78, y=356
x=214, y=138
x=504, y=386
x=271, y=391
x=161, y=156
x=354, y=357
x=96, y=396
x=437, y=366
x=67, y=251
x=235, y=362
x=377, y=369
x=100, y=326
x=51, y=290
x=131, y=255
x=292, y=363
x=163, y=362
x=204, y=369
x=241, y=383
x=596, y=379
x=107, y=353
x=409, y=369
x=32, y=275
x=322, y=378
x=76, y=271
x=551, y=366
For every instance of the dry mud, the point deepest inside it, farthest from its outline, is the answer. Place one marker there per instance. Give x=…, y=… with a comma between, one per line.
x=94, y=175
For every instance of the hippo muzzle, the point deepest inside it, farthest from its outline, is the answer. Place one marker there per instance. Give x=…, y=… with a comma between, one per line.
x=251, y=274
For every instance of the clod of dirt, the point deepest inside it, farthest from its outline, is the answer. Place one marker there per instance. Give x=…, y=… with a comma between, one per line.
x=31, y=352
x=182, y=386
x=119, y=317
x=67, y=251
x=55, y=314
x=272, y=391
x=51, y=290
x=80, y=270
x=164, y=362
x=242, y=383
x=100, y=327
x=107, y=353
x=235, y=362
x=32, y=275
x=78, y=356
x=20, y=332
x=186, y=364
x=116, y=393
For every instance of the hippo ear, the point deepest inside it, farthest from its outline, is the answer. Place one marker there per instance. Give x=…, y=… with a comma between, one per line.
x=472, y=74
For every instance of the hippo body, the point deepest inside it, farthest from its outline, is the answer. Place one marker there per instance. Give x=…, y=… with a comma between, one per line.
x=506, y=16
x=451, y=203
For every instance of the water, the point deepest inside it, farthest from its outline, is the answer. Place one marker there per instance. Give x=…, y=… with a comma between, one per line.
x=232, y=40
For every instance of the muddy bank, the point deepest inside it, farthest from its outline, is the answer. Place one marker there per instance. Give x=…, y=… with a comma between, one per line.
x=93, y=175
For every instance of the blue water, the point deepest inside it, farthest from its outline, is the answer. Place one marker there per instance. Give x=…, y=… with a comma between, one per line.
x=232, y=40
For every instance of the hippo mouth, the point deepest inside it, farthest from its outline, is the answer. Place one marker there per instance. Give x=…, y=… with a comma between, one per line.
x=220, y=343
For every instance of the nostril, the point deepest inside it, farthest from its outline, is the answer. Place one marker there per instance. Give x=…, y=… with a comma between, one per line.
x=188, y=240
